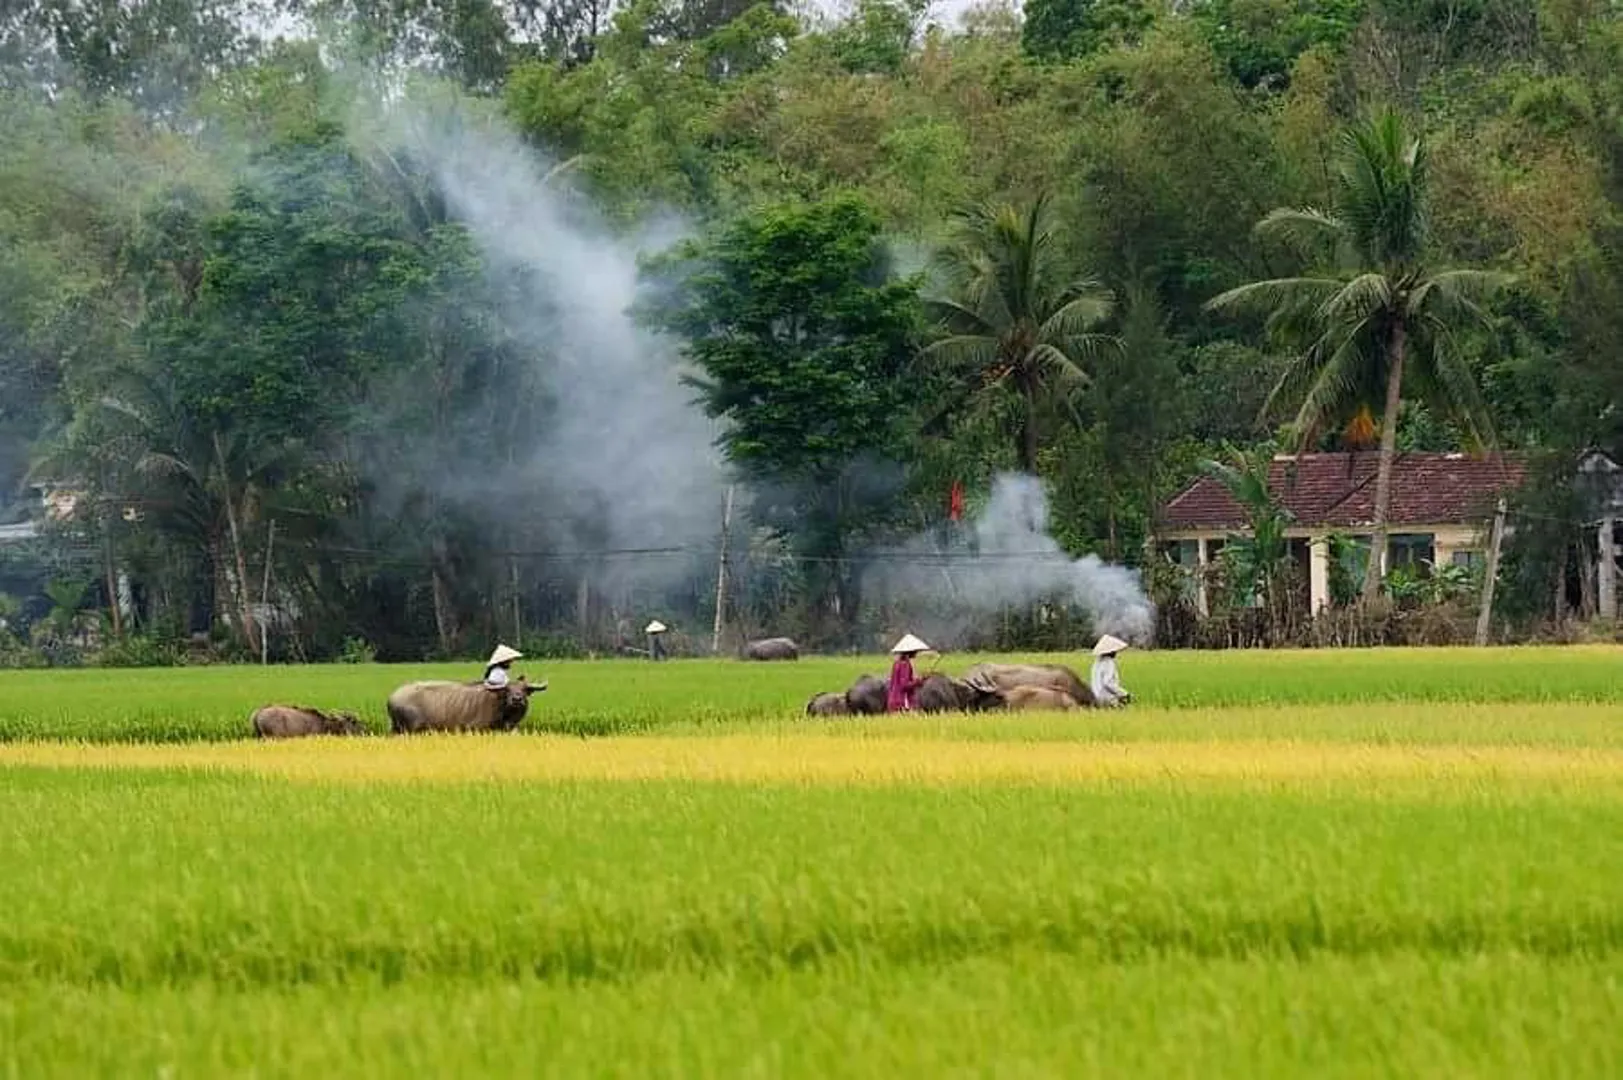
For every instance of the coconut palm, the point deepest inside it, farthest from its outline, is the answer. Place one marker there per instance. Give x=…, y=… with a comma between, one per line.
x=1374, y=317
x=1014, y=313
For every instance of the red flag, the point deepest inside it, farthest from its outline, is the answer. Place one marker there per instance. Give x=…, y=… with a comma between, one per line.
x=955, y=502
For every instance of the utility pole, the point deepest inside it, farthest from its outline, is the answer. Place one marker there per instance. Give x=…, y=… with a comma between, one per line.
x=264, y=597
x=1606, y=568
x=518, y=621
x=1485, y=616
x=721, y=572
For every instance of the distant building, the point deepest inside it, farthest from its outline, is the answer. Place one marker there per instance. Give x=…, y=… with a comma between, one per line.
x=1440, y=513
x=57, y=503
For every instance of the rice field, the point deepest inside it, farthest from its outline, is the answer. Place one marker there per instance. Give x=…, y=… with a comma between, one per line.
x=1293, y=864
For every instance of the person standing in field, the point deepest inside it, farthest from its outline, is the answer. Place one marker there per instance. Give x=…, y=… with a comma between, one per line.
x=656, y=642
x=901, y=695
x=1106, y=680
x=496, y=667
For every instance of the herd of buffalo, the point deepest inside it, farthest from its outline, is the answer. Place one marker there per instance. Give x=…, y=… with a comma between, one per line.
x=983, y=687
x=444, y=705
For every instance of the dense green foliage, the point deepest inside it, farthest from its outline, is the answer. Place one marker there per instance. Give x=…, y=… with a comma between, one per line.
x=248, y=319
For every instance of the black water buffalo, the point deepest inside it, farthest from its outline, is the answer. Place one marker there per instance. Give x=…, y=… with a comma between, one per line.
x=442, y=705
x=866, y=697
x=777, y=648
x=297, y=721
x=942, y=693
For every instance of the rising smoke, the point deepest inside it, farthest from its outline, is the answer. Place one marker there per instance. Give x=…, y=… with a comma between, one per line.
x=626, y=461
x=1007, y=560
x=629, y=461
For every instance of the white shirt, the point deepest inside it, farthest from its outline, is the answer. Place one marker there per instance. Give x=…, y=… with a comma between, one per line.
x=1107, y=688
x=496, y=678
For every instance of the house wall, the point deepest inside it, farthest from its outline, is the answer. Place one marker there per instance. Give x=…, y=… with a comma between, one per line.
x=1446, y=541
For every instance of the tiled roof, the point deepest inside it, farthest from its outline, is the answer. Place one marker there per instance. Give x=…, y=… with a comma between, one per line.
x=1338, y=491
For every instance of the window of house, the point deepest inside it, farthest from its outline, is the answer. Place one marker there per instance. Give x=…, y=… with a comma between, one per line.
x=1413, y=550
x=1185, y=553
x=1469, y=560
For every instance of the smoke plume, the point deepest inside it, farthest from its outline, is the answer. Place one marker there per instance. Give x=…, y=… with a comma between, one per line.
x=625, y=461
x=1008, y=559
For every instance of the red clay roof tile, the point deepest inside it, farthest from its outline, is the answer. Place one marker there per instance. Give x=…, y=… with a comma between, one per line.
x=1338, y=491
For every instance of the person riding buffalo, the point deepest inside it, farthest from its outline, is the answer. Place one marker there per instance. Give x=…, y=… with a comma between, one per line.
x=496, y=668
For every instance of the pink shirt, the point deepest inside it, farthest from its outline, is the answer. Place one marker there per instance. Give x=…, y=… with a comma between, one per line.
x=902, y=693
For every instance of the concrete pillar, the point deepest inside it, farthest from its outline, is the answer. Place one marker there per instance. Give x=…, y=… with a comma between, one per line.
x=1318, y=573
x=1200, y=562
x=1606, y=559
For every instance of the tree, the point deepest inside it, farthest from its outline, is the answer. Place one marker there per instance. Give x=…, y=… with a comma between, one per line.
x=1259, y=40
x=1137, y=410
x=1071, y=29
x=1015, y=313
x=1373, y=316
x=801, y=335
x=156, y=53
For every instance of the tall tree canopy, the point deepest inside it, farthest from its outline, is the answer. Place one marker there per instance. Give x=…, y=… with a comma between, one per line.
x=802, y=335
x=305, y=364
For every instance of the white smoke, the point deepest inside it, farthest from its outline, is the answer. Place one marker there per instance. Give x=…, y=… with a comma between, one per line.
x=627, y=460
x=1010, y=561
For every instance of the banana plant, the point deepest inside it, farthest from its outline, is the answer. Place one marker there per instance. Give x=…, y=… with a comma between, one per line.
x=1258, y=564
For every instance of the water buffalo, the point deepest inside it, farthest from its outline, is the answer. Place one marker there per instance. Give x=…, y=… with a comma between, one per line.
x=828, y=705
x=296, y=721
x=999, y=679
x=941, y=693
x=777, y=648
x=1022, y=698
x=441, y=705
x=867, y=695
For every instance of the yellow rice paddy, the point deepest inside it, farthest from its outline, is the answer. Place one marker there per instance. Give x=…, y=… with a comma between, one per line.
x=850, y=760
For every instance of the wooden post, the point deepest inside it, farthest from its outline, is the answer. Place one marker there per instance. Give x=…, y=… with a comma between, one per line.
x=1606, y=567
x=1491, y=574
x=721, y=572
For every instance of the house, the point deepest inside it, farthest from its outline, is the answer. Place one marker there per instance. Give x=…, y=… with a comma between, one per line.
x=1441, y=511
x=56, y=504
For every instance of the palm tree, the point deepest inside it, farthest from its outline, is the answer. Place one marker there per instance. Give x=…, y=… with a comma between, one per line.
x=1015, y=314
x=1374, y=317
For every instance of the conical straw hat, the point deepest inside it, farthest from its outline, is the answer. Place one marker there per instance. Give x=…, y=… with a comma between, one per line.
x=1108, y=645
x=501, y=656
x=655, y=627
x=909, y=644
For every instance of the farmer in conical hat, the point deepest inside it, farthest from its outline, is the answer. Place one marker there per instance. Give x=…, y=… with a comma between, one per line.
x=901, y=695
x=656, y=646
x=496, y=667
x=1106, y=682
